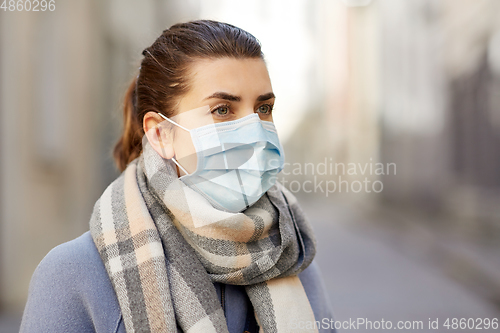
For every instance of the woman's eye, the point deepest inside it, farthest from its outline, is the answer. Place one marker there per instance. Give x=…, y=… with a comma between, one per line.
x=265, y=109
x=221, y=111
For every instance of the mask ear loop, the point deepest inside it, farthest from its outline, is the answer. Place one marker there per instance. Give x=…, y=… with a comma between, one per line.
x=184, y=128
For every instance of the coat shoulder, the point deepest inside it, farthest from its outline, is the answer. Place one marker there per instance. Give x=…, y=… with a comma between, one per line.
x=71, y=291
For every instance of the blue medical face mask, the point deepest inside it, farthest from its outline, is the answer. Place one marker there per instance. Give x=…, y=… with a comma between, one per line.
x=237, y=161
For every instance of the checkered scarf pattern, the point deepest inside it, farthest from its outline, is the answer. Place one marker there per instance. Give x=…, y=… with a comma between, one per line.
x=162, y=267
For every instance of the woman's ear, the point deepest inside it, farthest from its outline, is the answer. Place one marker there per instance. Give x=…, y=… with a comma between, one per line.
x=161, y=139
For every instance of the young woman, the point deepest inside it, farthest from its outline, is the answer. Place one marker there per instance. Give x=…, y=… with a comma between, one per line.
x=195, y=235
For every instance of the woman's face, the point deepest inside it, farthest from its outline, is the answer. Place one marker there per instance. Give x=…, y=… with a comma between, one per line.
x=230, y=89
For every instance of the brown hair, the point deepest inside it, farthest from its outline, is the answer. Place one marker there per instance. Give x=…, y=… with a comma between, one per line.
x=162, y=78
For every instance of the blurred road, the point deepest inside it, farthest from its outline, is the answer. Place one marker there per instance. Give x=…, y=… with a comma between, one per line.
x=9, y=323
x=376, y=272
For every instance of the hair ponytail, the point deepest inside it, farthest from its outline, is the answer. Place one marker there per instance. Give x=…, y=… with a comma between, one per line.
x=129, y=146
x=164, y=77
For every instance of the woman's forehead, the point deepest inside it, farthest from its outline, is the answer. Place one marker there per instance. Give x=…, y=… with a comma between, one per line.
x=241, y=77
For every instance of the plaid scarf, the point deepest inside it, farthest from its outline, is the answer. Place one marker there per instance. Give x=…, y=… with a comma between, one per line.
x=164, y=245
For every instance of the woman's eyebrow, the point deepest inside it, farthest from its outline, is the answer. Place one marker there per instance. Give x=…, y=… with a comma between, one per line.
x=223, y=95
x=265, y=97
x=233, y=98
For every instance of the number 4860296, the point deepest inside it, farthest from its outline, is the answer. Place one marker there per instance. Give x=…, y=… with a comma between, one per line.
x=28, y=5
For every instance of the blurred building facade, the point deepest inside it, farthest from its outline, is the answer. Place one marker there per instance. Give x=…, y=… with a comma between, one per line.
x=48, y=167
x=440, y=77
x=414, y=83
x=63, y=74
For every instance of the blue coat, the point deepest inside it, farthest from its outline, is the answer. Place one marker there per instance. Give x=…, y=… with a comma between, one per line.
x=70, y=291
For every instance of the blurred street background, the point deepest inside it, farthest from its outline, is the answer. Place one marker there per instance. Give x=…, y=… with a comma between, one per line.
x=389, y=112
